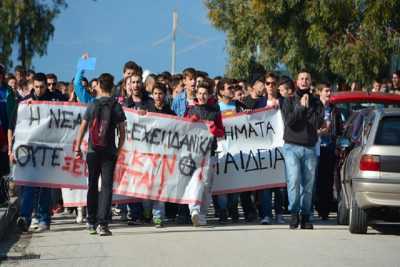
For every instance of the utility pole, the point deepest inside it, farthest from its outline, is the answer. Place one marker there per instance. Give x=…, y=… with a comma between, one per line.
x=174, y=24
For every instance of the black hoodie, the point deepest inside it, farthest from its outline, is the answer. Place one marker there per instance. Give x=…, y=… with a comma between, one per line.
x=301, y=124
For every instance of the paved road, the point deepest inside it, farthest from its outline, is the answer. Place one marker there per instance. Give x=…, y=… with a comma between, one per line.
x=68, y=244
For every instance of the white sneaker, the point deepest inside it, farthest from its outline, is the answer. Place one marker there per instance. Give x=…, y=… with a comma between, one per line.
x=195, y=218
x=34, y=224
x=280, y=219
x=34, y=221
x=79, y=219
x=266, y=220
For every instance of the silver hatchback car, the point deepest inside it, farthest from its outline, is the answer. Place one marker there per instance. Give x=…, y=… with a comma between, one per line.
x=371, y=172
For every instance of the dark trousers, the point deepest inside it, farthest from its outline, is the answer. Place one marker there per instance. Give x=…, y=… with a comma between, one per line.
x=324, y=181
x=248, y=205
x=99, y=204
x=56, y=197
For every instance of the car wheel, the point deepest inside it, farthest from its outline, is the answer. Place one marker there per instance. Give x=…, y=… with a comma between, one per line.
x=342, y=211
x=358, y=219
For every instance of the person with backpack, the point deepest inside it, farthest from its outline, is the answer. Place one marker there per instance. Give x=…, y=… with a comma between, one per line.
x=102, y=118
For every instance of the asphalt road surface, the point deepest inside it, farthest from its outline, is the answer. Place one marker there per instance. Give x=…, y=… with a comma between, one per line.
x=69, y=244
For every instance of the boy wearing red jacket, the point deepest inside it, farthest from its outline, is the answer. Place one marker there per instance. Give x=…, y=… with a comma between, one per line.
x=204, y=110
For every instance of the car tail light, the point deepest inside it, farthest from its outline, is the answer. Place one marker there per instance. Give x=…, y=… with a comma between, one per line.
x=370, y=163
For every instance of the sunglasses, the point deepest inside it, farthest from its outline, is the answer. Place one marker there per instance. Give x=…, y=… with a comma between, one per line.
x=270, y=83
x=50, y=84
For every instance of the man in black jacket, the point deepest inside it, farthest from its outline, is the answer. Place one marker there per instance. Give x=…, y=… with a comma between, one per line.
x=303, y=115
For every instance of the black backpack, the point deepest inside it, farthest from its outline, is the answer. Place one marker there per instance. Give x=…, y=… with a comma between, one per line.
x=100, y=123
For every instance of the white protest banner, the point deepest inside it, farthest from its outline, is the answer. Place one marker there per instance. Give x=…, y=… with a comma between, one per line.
x=164, y=158
x=77, y=198
x=250, y=156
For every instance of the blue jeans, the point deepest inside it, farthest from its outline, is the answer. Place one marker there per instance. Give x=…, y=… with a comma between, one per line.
x=157, y=208
x=266, y=202
x=43, y=196
x=135, y=209
x=300, y=164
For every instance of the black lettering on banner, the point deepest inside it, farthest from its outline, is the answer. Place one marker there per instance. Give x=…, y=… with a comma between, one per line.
x=163, y=136
x=240, y=131
x=33, y=116
x=252, y=130
x=270, y=128
x=241, y=159
x=67, y=119
x=260, y=158
x=185, y=142
x=25, y=149
x=146, y=135
x=229, y=159
x=228, y=132
x=204, y=149
x=277, y=151
x=217, y=163
x=154, y=135
x=64, y=119
x=260, y=124
x=270, y=158
x=249, y=130
x=38, y=155
x=136, y=130
x=55, y=156
x=158, y=136
x=252, y=158
x=55, y=118
x=193, y=143
x=187, y=166
x=78, y=120
x=175, y=141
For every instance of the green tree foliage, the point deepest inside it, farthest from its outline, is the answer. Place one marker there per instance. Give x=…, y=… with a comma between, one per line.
x=337, y=40
x=28, y=25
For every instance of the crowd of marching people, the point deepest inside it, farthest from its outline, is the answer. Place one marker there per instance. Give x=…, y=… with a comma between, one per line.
x=308, y=136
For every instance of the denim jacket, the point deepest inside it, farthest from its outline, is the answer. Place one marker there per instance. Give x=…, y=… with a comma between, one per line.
x=180, y=104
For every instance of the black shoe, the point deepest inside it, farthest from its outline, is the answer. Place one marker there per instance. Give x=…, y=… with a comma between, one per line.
x=305, y=223
x=22, y=225
x=251, y=217
x=103, y=230
x=91, y=228
x=294, y=221
x=183, y=220
x=223, y=216
x=235, y=216
x=324, y=217
x=134, y=221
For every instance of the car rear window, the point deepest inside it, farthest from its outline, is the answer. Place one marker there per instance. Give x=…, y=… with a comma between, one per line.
x=388, y=132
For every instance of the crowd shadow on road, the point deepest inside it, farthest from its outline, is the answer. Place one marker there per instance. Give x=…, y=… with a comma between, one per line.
x=66, y=223
x=13, y=245
x=62, y=224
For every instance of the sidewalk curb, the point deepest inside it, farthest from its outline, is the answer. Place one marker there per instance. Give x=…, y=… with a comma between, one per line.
x=8, y=215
